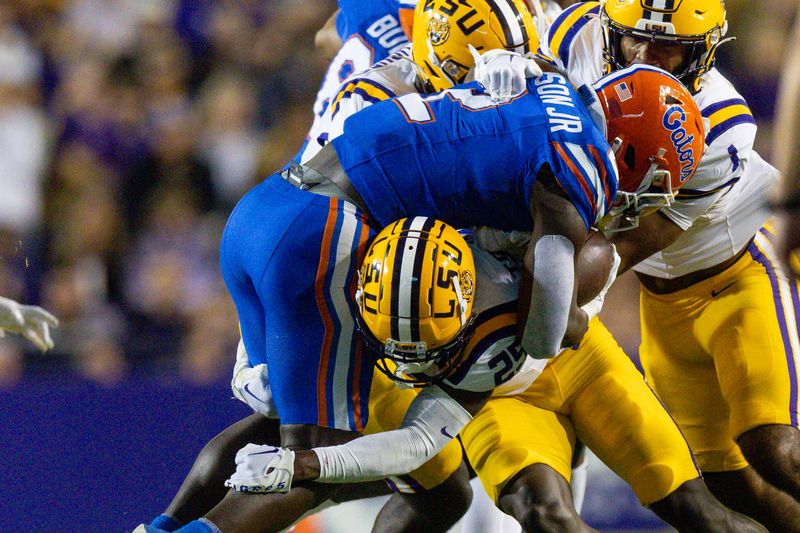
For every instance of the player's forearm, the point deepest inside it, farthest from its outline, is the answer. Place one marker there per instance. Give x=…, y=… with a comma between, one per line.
x=553, y=315
x=433, y=419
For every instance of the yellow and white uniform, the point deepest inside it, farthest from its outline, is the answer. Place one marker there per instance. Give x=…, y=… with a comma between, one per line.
x=748, y=361
x=596, y=394
x=492, y=358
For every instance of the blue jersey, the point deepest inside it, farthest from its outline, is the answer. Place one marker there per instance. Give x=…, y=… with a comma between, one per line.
x=370, y=31
x=375, y=22
x=459, y=157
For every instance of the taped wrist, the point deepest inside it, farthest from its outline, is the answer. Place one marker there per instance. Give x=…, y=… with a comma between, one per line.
x=551, y=296
x=433, y=418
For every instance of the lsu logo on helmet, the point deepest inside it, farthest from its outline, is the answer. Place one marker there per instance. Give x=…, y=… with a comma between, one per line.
x=415, y=293
x=443, y=29
x=438, y=30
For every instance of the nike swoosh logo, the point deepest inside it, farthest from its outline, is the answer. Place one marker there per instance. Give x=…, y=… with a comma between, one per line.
x=273, y=450
x=248, y=391
x=446, y=434
x=714, y=294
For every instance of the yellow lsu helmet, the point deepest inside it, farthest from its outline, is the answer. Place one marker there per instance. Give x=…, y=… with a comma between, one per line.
x=442, y=29
x=699, y=25
x=415, y=292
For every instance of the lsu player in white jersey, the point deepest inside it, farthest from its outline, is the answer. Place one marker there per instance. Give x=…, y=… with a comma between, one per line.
x=669, y=482
x=719, y=316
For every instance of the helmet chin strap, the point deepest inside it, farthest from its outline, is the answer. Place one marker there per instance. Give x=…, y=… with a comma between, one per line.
x=438, y=64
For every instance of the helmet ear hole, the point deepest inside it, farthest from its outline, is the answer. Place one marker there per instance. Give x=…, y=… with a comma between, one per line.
x=630, y=156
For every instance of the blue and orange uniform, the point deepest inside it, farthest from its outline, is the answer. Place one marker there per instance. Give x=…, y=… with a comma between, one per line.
x=289, y=255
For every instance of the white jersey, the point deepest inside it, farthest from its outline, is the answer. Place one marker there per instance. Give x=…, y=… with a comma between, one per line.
x=394, y=76
x=493, y=358
x=723, y=205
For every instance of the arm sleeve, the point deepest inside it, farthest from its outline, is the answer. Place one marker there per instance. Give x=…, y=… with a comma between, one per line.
x=551, y=296
x=432, y=420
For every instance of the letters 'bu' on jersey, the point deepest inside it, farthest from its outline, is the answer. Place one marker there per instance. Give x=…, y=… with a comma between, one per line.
x=463, y=159
x=370, y=32
x=722, y=206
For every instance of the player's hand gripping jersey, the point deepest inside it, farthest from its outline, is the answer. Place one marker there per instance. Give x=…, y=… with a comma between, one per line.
x=731, y=177
x=423, y=155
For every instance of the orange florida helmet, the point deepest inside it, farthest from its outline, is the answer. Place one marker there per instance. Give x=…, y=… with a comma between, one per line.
x=656, y=132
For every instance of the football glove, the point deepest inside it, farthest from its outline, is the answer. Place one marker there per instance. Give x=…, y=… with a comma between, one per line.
x=261, y=469
x=30, y=321
x=503, y=73
x=593, y=307
x=250, y=384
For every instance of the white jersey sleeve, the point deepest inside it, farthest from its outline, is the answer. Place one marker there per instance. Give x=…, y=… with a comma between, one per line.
x=394, y=76
x=574, y=42
x=724, y=203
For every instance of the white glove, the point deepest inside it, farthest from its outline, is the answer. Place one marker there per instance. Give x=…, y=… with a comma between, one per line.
x=593, y=308
x=250, y=384
x=262, y=468
x=30, y=321
x=503, y=73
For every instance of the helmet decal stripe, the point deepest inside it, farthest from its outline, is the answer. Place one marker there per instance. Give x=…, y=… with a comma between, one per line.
x=622, y=73
x=397, y=264
x=406, y=285
x=419, y=258
x=657, y=10
x=511, y=21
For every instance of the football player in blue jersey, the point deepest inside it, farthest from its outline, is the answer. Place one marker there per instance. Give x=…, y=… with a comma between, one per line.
x=291, y=248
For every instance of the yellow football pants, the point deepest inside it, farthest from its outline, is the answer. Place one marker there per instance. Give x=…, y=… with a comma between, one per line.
x=723, y=354
x=596, y=394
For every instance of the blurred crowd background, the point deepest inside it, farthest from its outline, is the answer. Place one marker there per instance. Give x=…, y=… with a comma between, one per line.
x=130, y=128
